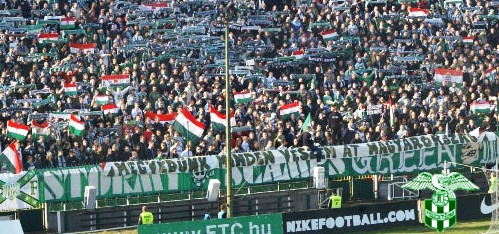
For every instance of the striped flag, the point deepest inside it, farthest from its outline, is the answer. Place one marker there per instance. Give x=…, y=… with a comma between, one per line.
x=10, y=159
x=76, y=126
x=40, y=129
x=299, y=54
x=101, y=99
x=468, y=40
x=448, y=76
x=328, y=35
x=480, y=107
x=490, y=73
x=47, y=36
x=68, y=23
x=154, y=6
x=188, y=126
x=163, y=118
x=418, y=12
x=218, y=120
x=242, y=97
x=115, y=79
x=110, y=108
x=70, y=89
x=287, y=110
x=16, y=130
x=83, y=48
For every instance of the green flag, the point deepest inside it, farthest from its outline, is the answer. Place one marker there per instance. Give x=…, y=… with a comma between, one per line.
x=306, y=123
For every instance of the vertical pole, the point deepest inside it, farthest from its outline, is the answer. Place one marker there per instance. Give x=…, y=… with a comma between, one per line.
x=228, y=145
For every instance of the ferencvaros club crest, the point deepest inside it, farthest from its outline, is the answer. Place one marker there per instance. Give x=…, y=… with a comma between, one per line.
x=440, y=210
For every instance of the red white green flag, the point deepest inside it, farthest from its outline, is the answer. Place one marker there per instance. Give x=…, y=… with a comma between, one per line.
x=287, y=110
x=10, y=159
x=16, y=130
x=328, y=35
x=47, y=36
x=76, y=126
x=480, y=107
x=70, y=89
x=448, y=76
x=40, y=129
x=188, y=126
x=490, y=73
x=418, y=12
x=163, y=118
x=242, y=97
x=115, y=80
x=68, y=23
x=468, y=40
x=299, y=54
x=110, y=108
x=101, y=99
x=83, y=48
x=219, y=121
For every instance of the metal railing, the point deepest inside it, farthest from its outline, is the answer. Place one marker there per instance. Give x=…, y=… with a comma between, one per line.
x=404, y=193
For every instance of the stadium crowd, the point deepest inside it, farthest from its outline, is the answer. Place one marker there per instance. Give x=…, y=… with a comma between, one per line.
x=363, y=71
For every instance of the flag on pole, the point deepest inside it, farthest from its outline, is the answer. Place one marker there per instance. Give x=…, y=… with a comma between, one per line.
x=110, y=108
x=40, y=129
x=242, y=97
x=287, y=110
x=448, y=75
x=47, y=36
x=16, y=130
x=188, y=126
x=219, y=121
x=163, y=118
x=468, y=40
x=83, y=48
x=70, y=89
x=101, y=99
x=307, y=122
x=10, y=159
x=328, y=35
x=418, y=12
x=299, y=54
x=76, y=126
x=480, y=107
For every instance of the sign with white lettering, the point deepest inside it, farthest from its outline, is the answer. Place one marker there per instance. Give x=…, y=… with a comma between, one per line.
x=351, y=219
x=269, y=223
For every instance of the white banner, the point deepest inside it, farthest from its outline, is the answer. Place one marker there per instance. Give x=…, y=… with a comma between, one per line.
x=18, y=191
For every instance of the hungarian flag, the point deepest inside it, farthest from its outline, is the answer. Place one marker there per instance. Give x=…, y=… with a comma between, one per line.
x=47, y=36
x=289, y=109
x=328, y=35
x=83, y=48
x=68, y=23
x=448, y=76
x=110, y=108
x=299, y=54
x=17, y=131
x=70, y=89
x=40, y=129
x=76, y=126
x=218, y=120
x=154, y=6
x=10, y=159
x=490, y=73
x=101, y=99
x=418, y=12
x=188, y=126
x=242, y=97
x=468, y=40
x=480, y=107
x=115, y=80
x=163, y=118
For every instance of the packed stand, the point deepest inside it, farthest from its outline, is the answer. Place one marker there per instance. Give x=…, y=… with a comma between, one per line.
x=101, y=81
